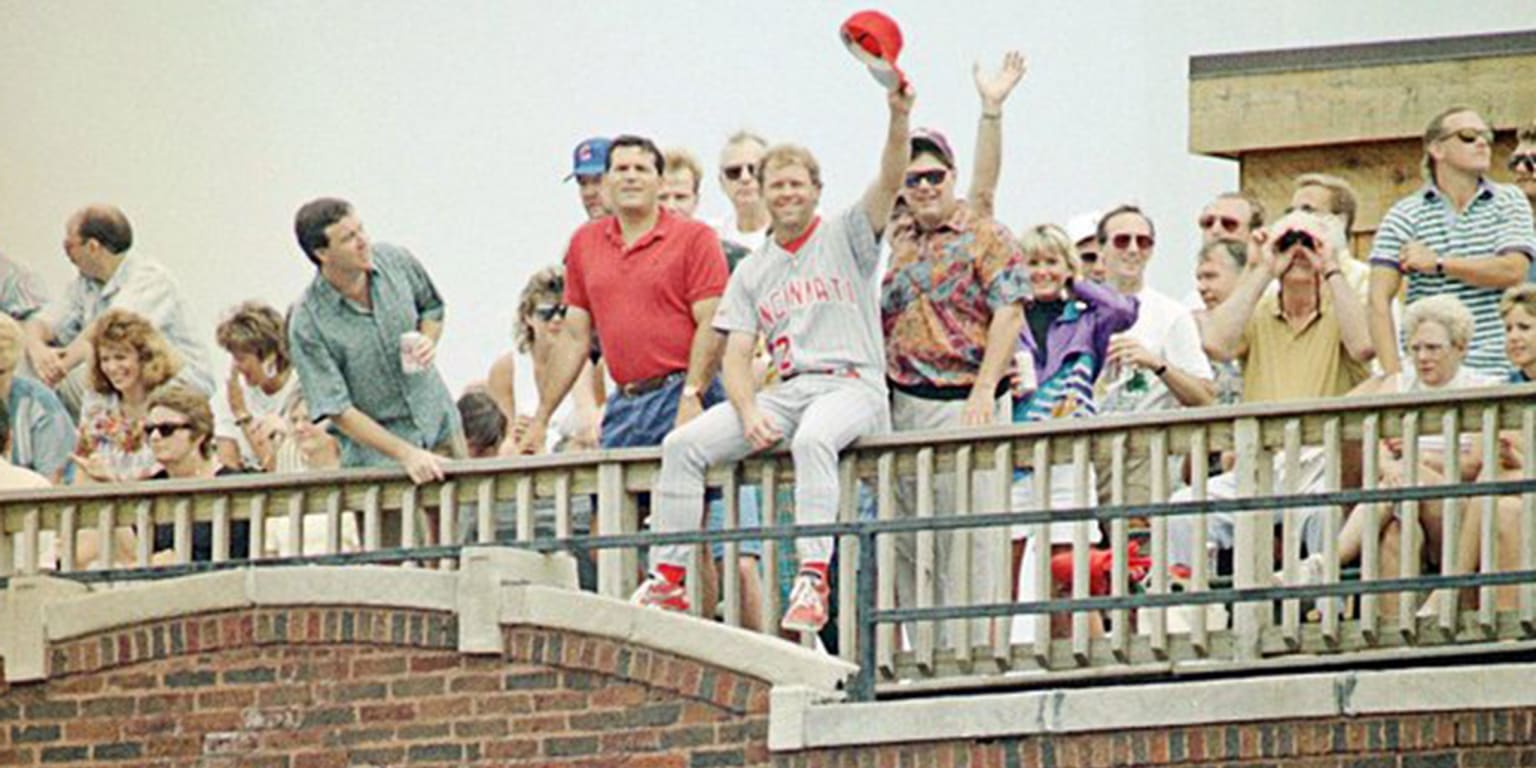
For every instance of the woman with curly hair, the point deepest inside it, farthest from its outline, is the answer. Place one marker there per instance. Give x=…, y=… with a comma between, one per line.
x=129, y=360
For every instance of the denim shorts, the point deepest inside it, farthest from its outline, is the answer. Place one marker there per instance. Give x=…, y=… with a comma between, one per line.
x=644, y=420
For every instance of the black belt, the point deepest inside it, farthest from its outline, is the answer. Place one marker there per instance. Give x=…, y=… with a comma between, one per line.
x=847, y=373
x=933, y=392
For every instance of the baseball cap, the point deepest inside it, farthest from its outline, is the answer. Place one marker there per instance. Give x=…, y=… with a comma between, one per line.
x=875, y=39
x=933, y=142
x=590, y=158
x=1083, y=226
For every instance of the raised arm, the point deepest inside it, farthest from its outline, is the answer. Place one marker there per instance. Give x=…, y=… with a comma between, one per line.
x=1354, y=330
x=1222, y=332
x=993, y=90
x=881, y=196
x=1383, y=287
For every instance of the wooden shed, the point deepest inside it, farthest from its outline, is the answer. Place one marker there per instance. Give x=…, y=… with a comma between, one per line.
x=1356, y=111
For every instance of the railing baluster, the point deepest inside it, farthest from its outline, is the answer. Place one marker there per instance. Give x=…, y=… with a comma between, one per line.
x=610, y=516
x=698, y=564
x=1528, y=521
x=295, y=520
x=1488, y=555
x=31, y=526
x=373, y=533
x=182, y=516
x=923, y=631
x=1119, y=544
x=848, y=561
x=1450, y=521
x=7, y=548
x=1002, y=566
x=960, y=558
x=485, y=511
x=220, y=529
x=64, y=540
x=1039, y=574
x=1370, y=543
x=408, y=512
x=1081, y=620
x=106, y=536
x=448, y=521
x=1248, y=618
x=1157, y=618
x=526, y=529
x=770, y=609
x=1290, y=535
x=730, y=570
x=1333, y=465
x=885, y=548
x=1409, y=550
x=1199, y=570
x=333, y=502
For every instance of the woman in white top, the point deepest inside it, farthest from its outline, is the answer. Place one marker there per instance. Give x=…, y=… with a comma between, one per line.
x=247, y=414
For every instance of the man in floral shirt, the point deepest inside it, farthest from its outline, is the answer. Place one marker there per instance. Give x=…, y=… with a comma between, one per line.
x=951, y=315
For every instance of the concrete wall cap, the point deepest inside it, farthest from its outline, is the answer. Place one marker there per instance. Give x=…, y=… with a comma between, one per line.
x=755, y=655
x=368, y=585
x=138, y=603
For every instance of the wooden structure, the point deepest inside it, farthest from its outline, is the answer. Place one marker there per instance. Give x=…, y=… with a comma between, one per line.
x=1356, y=111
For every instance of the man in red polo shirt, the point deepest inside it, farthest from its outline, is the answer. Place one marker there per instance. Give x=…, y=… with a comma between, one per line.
x=648, y=281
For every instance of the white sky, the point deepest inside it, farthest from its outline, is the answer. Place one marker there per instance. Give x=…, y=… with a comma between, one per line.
x=450, y=125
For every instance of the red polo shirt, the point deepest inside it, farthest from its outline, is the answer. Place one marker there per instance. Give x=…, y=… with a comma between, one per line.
x=641, y=297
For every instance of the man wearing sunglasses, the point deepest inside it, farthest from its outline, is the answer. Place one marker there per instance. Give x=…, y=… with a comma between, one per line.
x=1232, y=216
x=1460, y=234
x=951, y=311
x=747, y=224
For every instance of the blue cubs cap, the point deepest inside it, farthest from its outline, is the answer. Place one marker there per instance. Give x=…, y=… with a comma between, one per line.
x=590, y=158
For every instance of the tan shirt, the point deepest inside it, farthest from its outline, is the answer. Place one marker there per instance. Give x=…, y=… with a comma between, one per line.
x=1286, y=363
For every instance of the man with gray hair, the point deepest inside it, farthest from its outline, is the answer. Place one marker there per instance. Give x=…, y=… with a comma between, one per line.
x=97, y=240
x=1460, y=233
x=747, y=223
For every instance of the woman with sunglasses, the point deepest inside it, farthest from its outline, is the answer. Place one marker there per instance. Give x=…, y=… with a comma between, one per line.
x=179, y=430
x=129, y=360
x=1062, y=349
x=540, y=316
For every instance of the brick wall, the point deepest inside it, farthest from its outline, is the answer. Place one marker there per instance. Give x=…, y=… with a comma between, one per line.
x=321, y=687
x=1491, y=739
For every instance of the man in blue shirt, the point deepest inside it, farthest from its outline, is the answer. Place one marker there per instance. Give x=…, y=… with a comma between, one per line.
x=42, y=434
x=363, y=337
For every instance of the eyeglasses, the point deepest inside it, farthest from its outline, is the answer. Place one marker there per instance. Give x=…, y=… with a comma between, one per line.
x=934, y=177
x=1228, y=223
x=1426, y=348
x=1294, y=237
x=165, y=429
x=1526, y=162
x=1469, y=135
x=739, y=172
x=548, y=312
x=1123, y=241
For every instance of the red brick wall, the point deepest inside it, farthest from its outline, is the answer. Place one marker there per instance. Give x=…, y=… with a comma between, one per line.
x=314, y=688
x=1497, y=739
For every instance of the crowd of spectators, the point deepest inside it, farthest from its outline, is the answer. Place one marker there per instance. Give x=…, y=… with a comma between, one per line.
x=916, y=309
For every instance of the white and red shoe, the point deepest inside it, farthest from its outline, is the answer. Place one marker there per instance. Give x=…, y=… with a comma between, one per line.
x=807, y=611
x=658, y=592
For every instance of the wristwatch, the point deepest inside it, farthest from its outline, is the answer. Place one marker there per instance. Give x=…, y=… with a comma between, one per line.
x=690, y=390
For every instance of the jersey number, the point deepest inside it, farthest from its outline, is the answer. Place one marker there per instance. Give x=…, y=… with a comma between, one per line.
x=779, y=348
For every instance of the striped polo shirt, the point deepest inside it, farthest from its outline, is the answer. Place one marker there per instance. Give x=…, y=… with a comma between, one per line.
x=1497, y=221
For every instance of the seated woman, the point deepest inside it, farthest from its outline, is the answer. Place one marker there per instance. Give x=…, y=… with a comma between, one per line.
x=1066, y=340
x=179, y=430
x=1438, y=329
x=305, y=446
x=129, y=360
x=247, y=418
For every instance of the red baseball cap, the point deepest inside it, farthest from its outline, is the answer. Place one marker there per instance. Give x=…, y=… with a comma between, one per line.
x=873, y=38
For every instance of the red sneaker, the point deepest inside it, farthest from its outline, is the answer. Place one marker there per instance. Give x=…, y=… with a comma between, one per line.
x=807, y=611
x=657, y=592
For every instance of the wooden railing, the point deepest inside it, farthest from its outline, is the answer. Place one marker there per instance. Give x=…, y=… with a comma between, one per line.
x=1159, y=632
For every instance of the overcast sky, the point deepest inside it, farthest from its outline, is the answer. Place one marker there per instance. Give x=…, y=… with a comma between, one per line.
x=450, y=125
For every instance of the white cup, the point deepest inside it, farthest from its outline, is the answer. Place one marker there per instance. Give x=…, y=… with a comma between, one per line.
x=410, y=362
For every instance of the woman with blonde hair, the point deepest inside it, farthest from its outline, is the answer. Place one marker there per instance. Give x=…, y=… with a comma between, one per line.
x=129, y=360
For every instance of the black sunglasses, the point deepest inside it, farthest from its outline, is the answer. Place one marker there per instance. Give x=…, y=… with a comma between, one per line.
x=1088, y=257
x=1294, y=237
x=164, y=430
x=548, y=312
x=934, y=177
x=1526, y=161
x=738, y=172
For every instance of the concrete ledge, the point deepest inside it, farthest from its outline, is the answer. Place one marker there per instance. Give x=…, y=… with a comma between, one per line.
x=750, y=653
x=169, y=598
x=369, y=585
x=808, y=724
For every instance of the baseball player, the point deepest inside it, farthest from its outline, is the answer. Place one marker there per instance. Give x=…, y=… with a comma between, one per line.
x=811, y=291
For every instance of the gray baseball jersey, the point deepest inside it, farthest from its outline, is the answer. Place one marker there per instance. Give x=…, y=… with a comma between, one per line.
x=819, y=307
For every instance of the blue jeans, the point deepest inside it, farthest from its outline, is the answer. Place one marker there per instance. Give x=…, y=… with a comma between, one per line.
x=641, y=421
